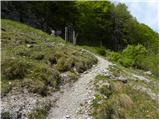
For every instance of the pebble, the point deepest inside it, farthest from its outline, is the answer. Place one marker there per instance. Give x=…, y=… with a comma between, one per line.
x=67, y=116
x=29, y=46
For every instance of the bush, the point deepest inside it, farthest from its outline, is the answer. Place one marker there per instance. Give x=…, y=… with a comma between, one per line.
x=133, y=51
x=101, y=51
x=149, y=63
x=47, y=75
x=136, y=56
x=39, y=113
x=127, y=62
x=22, y=50
x=35, y=86
x=115, y=56
x=65, y=64
x=5, y=87
x=106, y=90
x=15, y=68
x=6, y=115
x=37, y=55
x=42, y=80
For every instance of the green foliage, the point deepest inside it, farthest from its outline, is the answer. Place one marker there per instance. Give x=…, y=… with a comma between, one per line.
x=149, y=63
x=39, y=113
x=15, y=68
x=138, y=57
x=115, y=56
x=38, y=55
x=5, y=115
x=5, y=87
x=106, y=90
x=102, y=51
x=72, y=75
x=117, y=100
x=127, y=62
x=35, y=86
x=134, y=51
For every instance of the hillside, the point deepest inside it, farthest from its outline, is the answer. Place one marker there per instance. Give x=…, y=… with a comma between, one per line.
x=35, y=65
x=45, y=77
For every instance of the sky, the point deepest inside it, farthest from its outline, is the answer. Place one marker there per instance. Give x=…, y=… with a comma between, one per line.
x=145, y=11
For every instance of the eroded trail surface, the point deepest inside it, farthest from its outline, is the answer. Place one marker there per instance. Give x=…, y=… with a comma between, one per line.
x=74, y=102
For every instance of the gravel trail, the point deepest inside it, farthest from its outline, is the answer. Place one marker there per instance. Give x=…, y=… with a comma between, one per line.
x=74, y=102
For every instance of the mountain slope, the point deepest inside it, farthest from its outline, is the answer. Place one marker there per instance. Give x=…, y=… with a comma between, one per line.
x=34, y=62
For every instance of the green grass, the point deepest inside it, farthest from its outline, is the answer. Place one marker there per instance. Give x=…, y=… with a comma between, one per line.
x=6, y=115
x=117, y=100
x=34, y=60
x=39, y=113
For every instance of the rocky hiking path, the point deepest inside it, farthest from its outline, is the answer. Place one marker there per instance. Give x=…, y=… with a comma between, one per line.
x=75, y=101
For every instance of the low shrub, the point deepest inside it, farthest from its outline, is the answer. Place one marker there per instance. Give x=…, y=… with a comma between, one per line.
x=106, y=90
x=65, y=64
x=137, y=57
x=46, y=74
x=39, y=113
x=35, y=86
x=127, y=62
x=5, y=87
x=115, y=56
x=72, y=75
x=22, y=50
x=101, y=51
x=6, y=115
x=15, y=67
x=38, y=55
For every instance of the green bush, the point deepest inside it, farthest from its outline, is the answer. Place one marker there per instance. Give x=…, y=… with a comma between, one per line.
x=106, y=90
x=15, y=68
x=42, y=80
x=136, y=56
x=115, y=56
x=39, y=113
x=127, y=62
x=133, y=51
x=6, y=115
x=149, y=63
x=65, y=64
x=101, y=51
x=22, y=50
x=37, y=55
x=47, y=75
x=5, y=87
x=35, y=86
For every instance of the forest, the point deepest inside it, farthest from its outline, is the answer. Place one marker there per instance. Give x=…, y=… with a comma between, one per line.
x=96, y=23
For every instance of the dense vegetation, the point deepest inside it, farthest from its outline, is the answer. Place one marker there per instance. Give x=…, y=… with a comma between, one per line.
x=34, y=60
x=97, y=23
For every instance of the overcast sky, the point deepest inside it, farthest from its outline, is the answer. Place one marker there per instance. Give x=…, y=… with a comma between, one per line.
x=146, y=11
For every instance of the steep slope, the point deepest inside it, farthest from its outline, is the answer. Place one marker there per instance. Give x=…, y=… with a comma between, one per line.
x=35, y=65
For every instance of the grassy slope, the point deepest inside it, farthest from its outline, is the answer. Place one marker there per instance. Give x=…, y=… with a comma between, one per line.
x=34, y=60
x=116, y=99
